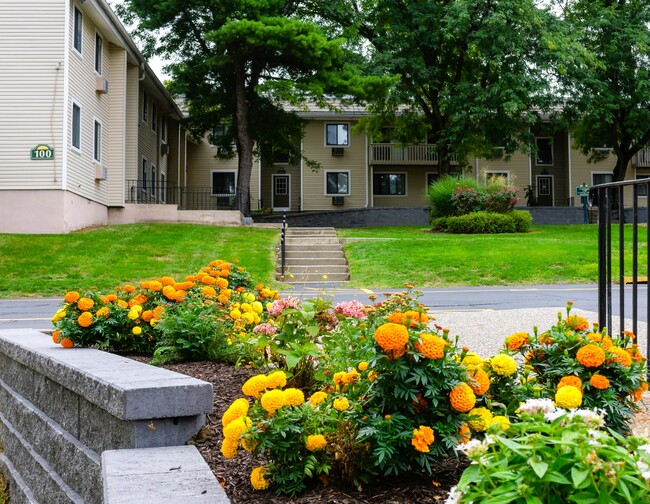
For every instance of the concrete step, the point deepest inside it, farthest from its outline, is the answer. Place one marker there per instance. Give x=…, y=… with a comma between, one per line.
x=316, y=261
x=313, y=277
x=326, y=247
x=315, y=268
x=324, y=255
x=311, y=231
x=312, y=240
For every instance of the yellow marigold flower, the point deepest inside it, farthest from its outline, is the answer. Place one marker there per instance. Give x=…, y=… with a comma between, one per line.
x=67, y=343
x=257, y=307
x=479, y=381
x=502, y=421
x=85, y=304
x=56, y=336
x=515, y=341
x=132, y=315
x=431, y=346
x=208, y=291
x=293, y=397
x=462, y=397
x=372, y=376
x=577, y=323
x=591, y=355
x=464, y=434
x=59, y=315
x=248, y=443
x=568, y=397
x=391, y=336
x=317, y=398
x=272, y=400
x=276, y=379
x=258, y=478
x=248, y=317
x=350, y=377
x=71, y=297
x=338, y=377
x=621, y=356
x=229, y=448
x=341, y=404
x=471, y=360
x=422, y=438
x=316, y=442
x=638, y=393
x=255, y=385
x=137, y=330
x=246, y=307
x=85, y=319
x=599, y=381
x=362, y=366
x=122, y=304
x=236, y=428
x=235, y=314
x=480, y=419
x=570, y=381
x=503, y=365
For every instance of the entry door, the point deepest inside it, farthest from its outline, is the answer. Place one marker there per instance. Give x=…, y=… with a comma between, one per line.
x=281, y=192
x=545, y=190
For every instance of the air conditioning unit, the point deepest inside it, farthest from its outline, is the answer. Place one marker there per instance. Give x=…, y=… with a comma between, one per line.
x=338, y=200
x=101, y=172
x=338, y=151
x=101, y=84
x=164, y=149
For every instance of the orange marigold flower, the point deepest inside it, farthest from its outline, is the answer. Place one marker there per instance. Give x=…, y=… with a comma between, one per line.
x=85, y=304
x=139, y=299
x=391, y=336
x=577, y=323
x=479, y=381
x=222, y=283
x=56, y=336
x=464, y=434
x=621, y=356
x=122, y=304
x=67, y=343
x=158, y=311
x=591, y=355
x=515, y=341
x=169, y=292
x=207, y=280
x=635, y=353
x=111, y=298
x=85, y=319
x=422, y=438
x=167, y=280
x=183, y=285
x=316, y=442
x=155, y=285
x=147, y=315
x=180, y=295
x=638, y=393
x=599, y=381
x=431, y=346
x=102, y=312
x=129, y=288
x=570, y=381
x=208, y=291
x=462, y=398
x=71, y=297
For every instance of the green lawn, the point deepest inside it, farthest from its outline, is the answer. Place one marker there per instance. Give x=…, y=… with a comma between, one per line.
x=48, y=265
x=389, y=257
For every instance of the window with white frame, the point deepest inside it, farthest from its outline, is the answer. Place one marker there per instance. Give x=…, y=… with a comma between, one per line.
x=642, y=189
x=144, y=174
x=337, y=183
x=145, y=106
x=223, y=182
x=154, y=116
x=97, y=141
x=337, y=135
x=99, y=44
x=496, y=176
x=153, y=180
x=389, y=184
x=76, y=126
x=77, y=31
x=601, y=178
x=544, y=156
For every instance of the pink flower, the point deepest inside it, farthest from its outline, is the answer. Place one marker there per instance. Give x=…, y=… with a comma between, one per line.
x=265, y=328
x=279, y=305
x=351, y=309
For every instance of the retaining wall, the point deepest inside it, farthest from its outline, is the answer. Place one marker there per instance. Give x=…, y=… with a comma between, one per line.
x=84, y=426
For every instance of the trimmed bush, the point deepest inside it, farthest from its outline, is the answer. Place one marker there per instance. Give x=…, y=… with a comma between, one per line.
x=523, y=220
x=481, y=223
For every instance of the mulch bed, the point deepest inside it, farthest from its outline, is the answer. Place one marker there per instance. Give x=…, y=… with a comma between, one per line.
x=233, y=474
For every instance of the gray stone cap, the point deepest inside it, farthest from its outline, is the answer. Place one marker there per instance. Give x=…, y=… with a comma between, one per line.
x=127, y=389
x=173, y=475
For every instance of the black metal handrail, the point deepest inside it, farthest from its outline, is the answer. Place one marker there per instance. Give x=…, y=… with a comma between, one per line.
x=283, y=245
x=608, y=197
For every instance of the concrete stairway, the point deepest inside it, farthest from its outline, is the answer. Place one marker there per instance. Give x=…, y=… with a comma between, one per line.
x=311, y=253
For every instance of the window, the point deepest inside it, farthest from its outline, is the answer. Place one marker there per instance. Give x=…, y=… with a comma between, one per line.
x=337, y=183
x=280, y=157
x=544, y=151
x=145, y=106
x=144, y=174
x=496, y=176
x=389, y=184
x=153, y=180
x=223, y=182
x=163, y=128
x=76, y=126
x=162, y=187
x=154, y=116
x=77, y=30
x=601, y=178
x=337, y=135
x=642, y=189
x=97, y=141
x=431, y=178
x=99, y=43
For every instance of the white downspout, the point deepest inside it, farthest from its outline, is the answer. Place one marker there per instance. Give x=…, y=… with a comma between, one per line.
x=302, y=178
x=66, y=104
x=178, y=164
x=569, y=164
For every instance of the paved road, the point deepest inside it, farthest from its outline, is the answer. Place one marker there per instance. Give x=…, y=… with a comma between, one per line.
x=36, y=312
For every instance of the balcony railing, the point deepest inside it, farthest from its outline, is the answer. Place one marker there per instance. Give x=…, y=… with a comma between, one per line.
x=185, y=197
x=410, y=154
x=642, y=159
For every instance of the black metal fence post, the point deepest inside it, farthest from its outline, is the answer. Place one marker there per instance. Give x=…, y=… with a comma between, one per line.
x=283, y=245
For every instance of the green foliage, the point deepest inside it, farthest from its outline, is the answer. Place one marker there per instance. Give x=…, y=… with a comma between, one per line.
x=480, y=223
x=562, y=458
x=440, y=194
x=523, y=220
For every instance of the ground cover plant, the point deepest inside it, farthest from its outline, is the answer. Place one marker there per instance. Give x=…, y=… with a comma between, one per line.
x=352, y=394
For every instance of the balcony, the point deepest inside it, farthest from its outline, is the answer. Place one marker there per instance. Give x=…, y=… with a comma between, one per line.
x=642, y=159
x=410, y=154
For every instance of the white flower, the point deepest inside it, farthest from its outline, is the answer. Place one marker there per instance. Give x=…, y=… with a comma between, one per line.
x=594, y=418
x=454, y=496
x=532, y=406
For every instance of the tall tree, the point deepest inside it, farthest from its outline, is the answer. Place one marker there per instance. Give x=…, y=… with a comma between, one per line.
x=608, y=90
x=476, y=71
x=239, y=62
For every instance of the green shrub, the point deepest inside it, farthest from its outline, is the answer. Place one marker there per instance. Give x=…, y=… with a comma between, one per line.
x=481, y=223
x=523, y=220
x=440, y=194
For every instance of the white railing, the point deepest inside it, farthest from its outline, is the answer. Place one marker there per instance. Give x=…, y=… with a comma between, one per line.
x=396, y=154
x=642, y=159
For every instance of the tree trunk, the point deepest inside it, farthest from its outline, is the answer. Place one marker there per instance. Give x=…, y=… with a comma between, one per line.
x=244, y=140
x=620, y=168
